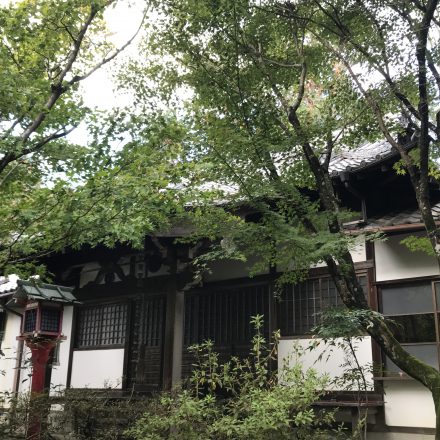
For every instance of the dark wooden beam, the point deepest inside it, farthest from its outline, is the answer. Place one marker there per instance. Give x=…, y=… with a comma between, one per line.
x=71, y=346
x=129, y=334
x=170, y=317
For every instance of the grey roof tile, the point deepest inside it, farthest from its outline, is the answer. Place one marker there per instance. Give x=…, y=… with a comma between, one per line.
x=363, y=156
x=35, y=290
x=396, y=218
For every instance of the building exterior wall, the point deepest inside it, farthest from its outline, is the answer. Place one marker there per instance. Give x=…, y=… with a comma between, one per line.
x=97, y=368
x=8, y=363
x=409, y=404
x=25, y=371
x=326, y=358
x=58, y=380
x=91, y=269
x=178, y=339
x=394, y=261
x=357, y=252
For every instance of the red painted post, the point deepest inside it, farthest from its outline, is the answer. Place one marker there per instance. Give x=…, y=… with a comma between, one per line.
x=40, y=355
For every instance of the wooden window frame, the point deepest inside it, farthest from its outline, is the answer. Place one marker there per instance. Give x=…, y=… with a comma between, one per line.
x=324, y=275
x=207, y=299
x=432, y=280
x=123, y=327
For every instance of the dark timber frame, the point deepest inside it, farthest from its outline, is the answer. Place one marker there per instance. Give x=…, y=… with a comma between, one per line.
x=131, y=290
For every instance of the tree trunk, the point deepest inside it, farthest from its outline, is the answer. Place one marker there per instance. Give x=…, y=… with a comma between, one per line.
x=344, y=276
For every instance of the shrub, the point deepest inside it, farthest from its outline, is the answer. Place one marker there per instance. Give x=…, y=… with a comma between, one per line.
x=76, y=414
x=240, y=399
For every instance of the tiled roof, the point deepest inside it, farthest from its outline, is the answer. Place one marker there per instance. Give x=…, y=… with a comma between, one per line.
x=395, y=218
x=363, y=156
x=49, y=292
x=35, y=290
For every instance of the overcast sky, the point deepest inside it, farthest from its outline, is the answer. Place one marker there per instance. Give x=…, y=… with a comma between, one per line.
x=123, y=21
x=99, y=90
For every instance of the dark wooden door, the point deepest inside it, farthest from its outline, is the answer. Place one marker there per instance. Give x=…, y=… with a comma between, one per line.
x=146, y=345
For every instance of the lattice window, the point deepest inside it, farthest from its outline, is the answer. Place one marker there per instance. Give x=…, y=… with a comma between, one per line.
x=50, y=320
x=301, y=304
x=101, y=326
x=152, y=322
x=30, y=320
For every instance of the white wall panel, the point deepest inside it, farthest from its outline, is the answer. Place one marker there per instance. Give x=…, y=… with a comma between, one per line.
x=97, y=368
x=409, y=404
x=395, y=261
x=24, y=385
x=332, y=358
x=59, y=372
x=8, y=363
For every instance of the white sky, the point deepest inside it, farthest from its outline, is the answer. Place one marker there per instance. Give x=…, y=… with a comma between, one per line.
x=123, y=21
x=99, y=89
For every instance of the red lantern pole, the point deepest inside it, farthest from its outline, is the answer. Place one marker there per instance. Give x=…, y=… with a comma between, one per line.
x=40, y=350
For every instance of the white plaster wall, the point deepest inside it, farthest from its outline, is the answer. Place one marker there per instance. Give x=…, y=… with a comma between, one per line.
x=59, y=372
x=332, y=357
x=25, y=382
x=97, y=368
x=8, y=363
x=395, y=261
x=358, y=253
x=409, y=404
x=89, y=273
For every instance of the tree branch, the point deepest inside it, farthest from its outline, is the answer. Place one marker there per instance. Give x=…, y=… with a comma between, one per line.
x=42, y=142
x=61, y=86
x=106, y=60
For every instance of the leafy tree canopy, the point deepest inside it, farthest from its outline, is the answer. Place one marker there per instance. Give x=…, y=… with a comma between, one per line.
x=278, y=86
x=54, y=193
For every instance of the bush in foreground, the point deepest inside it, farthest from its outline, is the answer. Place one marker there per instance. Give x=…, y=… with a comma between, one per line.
x=240, y=399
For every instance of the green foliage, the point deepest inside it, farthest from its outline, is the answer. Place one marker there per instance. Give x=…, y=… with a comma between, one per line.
x=240, y=399
x=418, y=244
x=342, y=329
x=345, y=323
x=55, y=194
x=232, y=58
x=239, y=63
x=100, y=197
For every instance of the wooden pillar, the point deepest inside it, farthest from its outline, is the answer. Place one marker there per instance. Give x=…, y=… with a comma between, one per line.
x=178, y=338
x=170, y=318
